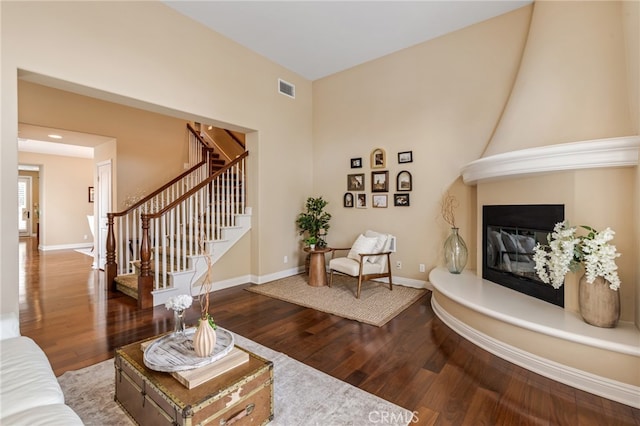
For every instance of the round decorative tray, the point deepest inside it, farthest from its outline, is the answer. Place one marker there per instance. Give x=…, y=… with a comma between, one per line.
x=174, y=352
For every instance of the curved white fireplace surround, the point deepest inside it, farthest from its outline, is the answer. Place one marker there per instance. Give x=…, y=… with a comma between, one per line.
x=611, y=152
x=539, y=336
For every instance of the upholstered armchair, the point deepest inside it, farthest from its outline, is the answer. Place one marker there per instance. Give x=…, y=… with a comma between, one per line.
x=368, y=258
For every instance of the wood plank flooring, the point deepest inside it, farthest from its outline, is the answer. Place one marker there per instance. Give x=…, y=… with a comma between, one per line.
x=414, y=361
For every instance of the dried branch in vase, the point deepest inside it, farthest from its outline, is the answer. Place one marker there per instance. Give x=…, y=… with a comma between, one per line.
x=449, y=204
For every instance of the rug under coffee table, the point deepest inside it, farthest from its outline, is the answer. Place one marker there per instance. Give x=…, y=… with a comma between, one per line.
x=155, y=398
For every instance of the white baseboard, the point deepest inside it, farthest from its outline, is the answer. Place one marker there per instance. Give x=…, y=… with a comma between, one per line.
x=597, y=385
x=65, y=246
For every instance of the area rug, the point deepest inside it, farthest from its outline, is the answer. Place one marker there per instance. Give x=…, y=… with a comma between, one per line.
x=302, y=395
x=377, y=304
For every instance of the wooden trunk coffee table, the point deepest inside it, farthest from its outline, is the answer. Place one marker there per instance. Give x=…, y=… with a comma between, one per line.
x=317, y=266
x=243, y=395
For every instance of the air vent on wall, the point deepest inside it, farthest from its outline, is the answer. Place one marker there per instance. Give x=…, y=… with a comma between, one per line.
x=286, y=89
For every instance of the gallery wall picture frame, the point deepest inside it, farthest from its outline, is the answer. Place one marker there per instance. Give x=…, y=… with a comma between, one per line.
x=379, y=201
x=404, y=181
x=405, y=157
x=92, y=194
x=356, y=163
x=378, y=159
x=361, y=201
x=347, y=200
x=380, y=181
x=355, y=182
x=401, y=200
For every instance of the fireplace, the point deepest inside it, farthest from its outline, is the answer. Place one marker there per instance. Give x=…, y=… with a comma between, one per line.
x=509, y=234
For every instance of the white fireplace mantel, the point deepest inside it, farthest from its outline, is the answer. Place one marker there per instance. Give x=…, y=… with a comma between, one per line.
x=611, y=152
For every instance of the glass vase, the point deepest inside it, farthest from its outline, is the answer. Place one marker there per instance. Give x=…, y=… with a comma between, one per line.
x=179, y=324
x=455, y=252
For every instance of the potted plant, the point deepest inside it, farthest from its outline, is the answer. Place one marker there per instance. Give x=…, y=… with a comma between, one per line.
x=311, y=242
x=599, y=298
x=314, y=221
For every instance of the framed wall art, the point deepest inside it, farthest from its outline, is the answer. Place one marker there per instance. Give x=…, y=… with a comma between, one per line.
x=403, y=181
x=405, y=157
x=355, y=182
x=361, y=201
x=356, y=163
x=92, y=194
x=379, y=201
x=347, y=201
x=380, y=181
x=401, y=200
x=378, y=159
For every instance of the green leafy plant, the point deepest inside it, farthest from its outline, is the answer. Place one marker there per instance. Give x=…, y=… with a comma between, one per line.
x=314, y=221
x=311, y=241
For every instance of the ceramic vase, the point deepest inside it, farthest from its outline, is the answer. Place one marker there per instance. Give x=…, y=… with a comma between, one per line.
x=204, y=339
x=455, y=252
x=599, y=304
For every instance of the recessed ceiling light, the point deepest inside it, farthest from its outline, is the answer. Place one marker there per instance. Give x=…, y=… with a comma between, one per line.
x=55, y=136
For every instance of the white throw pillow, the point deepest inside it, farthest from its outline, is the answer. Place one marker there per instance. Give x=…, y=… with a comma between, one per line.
x=380, y=242
x=361, y=245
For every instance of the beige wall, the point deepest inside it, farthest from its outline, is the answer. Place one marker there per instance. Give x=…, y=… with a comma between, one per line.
x=151, y=147
x=141, y=63
x=572, y=84
x=64, y=201
x=441, y=100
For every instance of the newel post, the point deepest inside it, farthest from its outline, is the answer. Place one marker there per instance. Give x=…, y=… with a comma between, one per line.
x=111, y=267
x=145, y=280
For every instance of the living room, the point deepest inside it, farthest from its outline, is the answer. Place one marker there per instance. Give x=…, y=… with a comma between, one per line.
x=441, y=100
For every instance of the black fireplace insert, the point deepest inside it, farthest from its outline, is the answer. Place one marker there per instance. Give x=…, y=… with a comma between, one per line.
x=509, y=235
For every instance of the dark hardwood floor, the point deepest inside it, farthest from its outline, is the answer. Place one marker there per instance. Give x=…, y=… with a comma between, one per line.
x=414, y=361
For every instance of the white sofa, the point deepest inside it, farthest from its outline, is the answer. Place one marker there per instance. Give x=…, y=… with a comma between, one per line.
x=29, y=391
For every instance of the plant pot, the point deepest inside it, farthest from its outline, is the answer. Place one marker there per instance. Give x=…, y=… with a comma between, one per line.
x=599, y=304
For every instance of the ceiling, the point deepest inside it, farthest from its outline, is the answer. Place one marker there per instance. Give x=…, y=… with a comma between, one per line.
x=319, y=38
x=71, y=144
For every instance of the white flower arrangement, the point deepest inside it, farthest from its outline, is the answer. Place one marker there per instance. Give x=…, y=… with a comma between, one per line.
x=179, y=303
x=566, y=251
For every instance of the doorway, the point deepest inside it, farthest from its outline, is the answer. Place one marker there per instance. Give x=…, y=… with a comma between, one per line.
x=24, y=206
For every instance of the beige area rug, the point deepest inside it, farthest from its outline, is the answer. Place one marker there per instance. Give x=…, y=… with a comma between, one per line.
x=302, y=395
x=377, y=304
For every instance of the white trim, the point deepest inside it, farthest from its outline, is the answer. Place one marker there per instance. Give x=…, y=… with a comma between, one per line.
x=611, y=152
x=601, y=386
x=65, y=246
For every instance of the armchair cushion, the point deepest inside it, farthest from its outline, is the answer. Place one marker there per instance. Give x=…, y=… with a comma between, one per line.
x=352, y=267
x=362, y=245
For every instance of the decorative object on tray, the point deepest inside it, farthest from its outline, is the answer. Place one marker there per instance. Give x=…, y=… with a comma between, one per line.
x=599, y=298
x=170, y=353
x=455, y=249
x=314, y=221
x=179, y=304
x=204, y=339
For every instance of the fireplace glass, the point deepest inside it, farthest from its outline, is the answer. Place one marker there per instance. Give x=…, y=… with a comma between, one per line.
x=510, y=233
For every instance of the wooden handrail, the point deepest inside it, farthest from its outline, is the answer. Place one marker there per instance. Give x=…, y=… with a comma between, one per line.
x=159, y=190
x=196, y=188
x=235, y=138
x=197, y=135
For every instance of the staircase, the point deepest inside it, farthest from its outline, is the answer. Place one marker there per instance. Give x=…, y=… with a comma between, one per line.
x=157, y=248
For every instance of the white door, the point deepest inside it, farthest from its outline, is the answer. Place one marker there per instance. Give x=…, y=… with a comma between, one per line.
x=24, y=205
x=103, y=206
